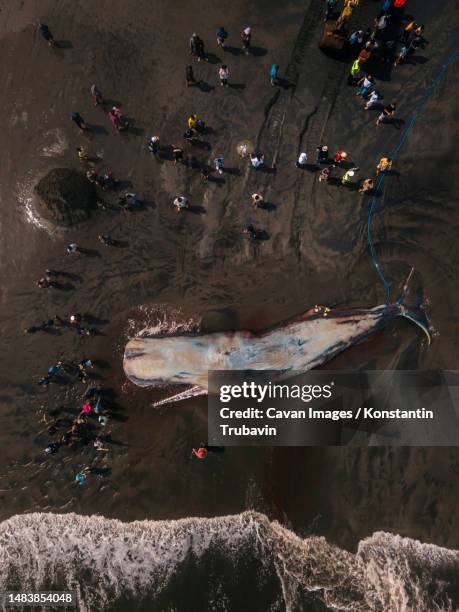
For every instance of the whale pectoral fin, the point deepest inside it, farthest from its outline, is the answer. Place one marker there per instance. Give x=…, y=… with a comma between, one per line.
x=195, y=391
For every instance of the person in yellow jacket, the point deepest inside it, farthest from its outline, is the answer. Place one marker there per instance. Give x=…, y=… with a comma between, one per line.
x=192, y=122
x=355, y=71
x=347, y=177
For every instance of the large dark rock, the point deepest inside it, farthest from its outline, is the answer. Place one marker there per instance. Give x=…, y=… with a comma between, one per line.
x=65, y=196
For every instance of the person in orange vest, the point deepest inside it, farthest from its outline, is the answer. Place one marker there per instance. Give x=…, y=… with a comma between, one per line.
x=200, y=453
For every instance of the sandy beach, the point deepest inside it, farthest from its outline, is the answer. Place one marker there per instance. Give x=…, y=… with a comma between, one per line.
x=180, y=271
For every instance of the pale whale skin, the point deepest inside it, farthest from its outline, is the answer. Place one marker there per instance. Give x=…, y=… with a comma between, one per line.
x=295, y=346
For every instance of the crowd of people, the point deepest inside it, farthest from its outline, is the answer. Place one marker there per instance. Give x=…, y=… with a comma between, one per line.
x=390, y=40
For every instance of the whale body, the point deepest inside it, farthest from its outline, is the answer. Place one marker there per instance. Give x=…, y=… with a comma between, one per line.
x=290, y=348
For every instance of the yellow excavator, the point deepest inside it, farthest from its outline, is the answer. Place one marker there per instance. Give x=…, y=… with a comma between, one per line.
x=334, y=35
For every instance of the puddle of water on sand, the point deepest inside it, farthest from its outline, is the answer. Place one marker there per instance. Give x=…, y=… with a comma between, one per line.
x=58, y=145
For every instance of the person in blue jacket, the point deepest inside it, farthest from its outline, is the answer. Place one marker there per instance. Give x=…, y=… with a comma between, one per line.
x=222, y=35
x=273, y=74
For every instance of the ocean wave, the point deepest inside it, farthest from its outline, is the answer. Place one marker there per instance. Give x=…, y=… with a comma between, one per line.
x=220, y=560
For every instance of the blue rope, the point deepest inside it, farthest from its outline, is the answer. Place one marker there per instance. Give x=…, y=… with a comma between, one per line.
x=393, y=156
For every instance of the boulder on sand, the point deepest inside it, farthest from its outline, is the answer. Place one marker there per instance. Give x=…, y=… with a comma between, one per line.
x=65, y=196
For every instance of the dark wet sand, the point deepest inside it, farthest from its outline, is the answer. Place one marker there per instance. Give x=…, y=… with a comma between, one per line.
x=200, y=265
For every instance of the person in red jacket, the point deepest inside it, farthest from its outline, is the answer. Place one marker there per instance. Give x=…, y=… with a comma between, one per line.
x=339, y=157
x=200, y=453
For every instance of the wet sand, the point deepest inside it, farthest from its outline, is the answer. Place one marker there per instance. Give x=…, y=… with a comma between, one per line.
x=194, y=267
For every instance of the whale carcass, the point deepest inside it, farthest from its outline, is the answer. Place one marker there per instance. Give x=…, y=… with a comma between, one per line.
x=291, y=348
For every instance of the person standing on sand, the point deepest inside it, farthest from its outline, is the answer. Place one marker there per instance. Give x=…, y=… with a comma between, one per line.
x=177, y=154
x=73, y=248
x=99, y=445
x=218, y=163
x=193, y=48
x=372, y=100
x=200, y=453
x=197, y=47
x=192, y=122
x=365, y=84
x=200, y=50
x=223, y=73
x=347, y=177
x=302, y=159
x=106, y=239
x=80, y=478
x=78, y=121
x=402, y=54
x=96, y=95
x=190, y=80
x=181, y=203
x=324, y=174
x=45, y=32
x=322, y=154
x=274, y=74
x=82, y=155
x=222, y=35
x=356, y=37
x=257, y=160
x=250, y=231
x=246, y=37
x=153, y=145
x=190, y=136
x=339, y=157
x=387, y=112
x=257, y=200
x=384, y=165
x=354, y=72
x=366, y=186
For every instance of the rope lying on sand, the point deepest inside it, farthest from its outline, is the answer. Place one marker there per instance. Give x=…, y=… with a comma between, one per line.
x=393, y=156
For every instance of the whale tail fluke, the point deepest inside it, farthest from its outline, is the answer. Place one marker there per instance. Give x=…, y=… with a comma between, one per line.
x=419, y=318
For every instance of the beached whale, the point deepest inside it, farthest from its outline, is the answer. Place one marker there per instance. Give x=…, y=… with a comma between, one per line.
x=291, y=348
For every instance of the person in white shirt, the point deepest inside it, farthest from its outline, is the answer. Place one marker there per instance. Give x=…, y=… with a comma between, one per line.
x=181, y=203
x=302, y=159
x=372, y=100
x=223, y=73
x=257, y=160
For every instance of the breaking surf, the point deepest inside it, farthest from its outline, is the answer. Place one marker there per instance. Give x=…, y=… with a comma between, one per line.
x=238, y=562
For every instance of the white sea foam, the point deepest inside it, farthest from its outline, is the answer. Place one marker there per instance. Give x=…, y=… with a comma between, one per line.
x=104, y=559
x=25, y=196
x=56, y=145
x=159, y=319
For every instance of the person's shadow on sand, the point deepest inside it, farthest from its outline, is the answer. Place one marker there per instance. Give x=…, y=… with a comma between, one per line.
x=61, y=45
x=257, y=51
x=233, y=50
x=267, y=206
x=232, y=171
x=309, y=167
x=197, y=210
x=213, y=59
x=395, y=121
x=217, y=180
x=261, y=235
